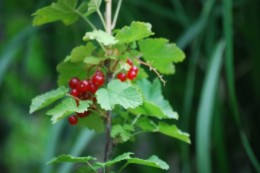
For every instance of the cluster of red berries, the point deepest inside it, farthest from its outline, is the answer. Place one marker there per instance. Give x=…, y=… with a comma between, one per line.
x=130, y=74
x=85, y=90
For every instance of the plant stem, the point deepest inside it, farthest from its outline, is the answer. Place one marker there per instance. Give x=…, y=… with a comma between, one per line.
x=116, y=13
x=108, y=119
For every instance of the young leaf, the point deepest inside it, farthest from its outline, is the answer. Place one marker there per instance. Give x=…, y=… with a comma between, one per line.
x=48, y=98
x=67, y=107
x=122, y=132
x=152, y=161
x=79, y=53
x=173, y=131
x=64, y=10
x=101, y=36
x=161, y=54
x=136, y=31
x=69, y=70
x=118, y=93
x=68, y=158
x=147, y=125
x=93, y=5
x=154, y=104
x=119, y=158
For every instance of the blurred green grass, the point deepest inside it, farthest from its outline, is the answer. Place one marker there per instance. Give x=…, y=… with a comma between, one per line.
x=220, y=110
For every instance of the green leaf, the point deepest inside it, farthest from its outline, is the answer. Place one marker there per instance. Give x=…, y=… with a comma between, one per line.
x=67, y=107
x=136, y=31
x=154, y=103
x=147, y=125
x=79, y=53
x=93, y=5
x=161, y=54
x=152, y=161
x=118, y=93
x=93, y=122
x=123, y=132
x=69, y=69
x=48, y=98
x=101, y=36
x=119, y=158
x=173, y=131
x=64, y=10
x=68, y=158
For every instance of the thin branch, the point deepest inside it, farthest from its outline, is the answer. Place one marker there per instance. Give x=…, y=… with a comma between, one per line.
x=118, y=7
x=152, y=69
x=100, y=16
x=92, y=167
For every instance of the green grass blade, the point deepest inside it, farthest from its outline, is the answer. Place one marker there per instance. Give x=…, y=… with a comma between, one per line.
x=194, y=30
x=204, y=116
x=80, y=145
x=228, y=32
x=51, y=146
x=11, y=50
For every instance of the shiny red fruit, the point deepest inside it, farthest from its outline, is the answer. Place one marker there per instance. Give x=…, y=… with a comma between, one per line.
x=130, y=62
x=74, y=82
x=74, y=92
x=131, y=74
x=98, y=80
x=93, y=88
x=73, y=120
x=121, y=76
x=134, y=68
x=99, y=73
x=83, y=86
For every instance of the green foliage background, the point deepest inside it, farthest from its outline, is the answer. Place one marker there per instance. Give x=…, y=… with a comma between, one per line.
x=216, y=91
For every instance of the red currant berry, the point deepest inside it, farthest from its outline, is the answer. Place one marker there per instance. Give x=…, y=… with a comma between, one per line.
x=121, y=76
x=98, y=80
x=83, y=114
x=74, y=92
x=74, y=82
x=73, y=120
x=93, y=88
x=99, y=73
x=131, y=74
x=129, y=61
x=134, y=68
x=83, y=86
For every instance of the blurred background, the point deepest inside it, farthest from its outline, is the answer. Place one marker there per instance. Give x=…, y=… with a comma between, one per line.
x=216, y=90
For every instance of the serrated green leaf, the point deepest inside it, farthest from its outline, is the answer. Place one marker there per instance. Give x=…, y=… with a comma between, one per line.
x=147, y=125
x=68, y=70
x=79, y=53
x=152, y=161
x=136, y=31
x=101, y=37
x=173, y=131
x=119, y=158
x=68, y=158
x=67, y=107
x=161, y=54
x=154, y=103
x=93, y=5
x=92, y=122
x=64, y=10
x=123, y=132
x=118, y=93
x=48, y=98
